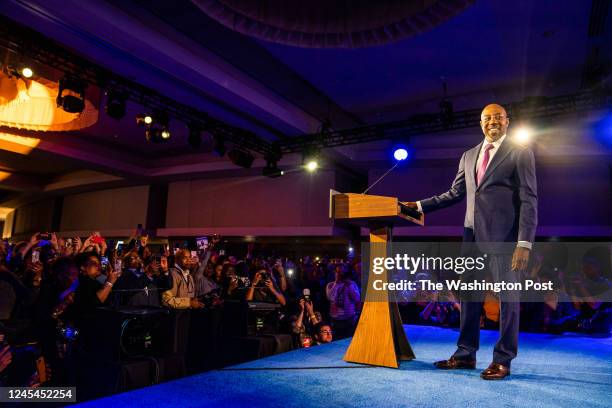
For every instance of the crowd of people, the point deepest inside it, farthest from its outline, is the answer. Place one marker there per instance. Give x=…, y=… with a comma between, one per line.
x=48, y=284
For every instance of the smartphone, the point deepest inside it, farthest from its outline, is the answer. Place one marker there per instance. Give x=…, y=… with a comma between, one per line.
x=118, y=265
x=194, y=254
x=202, y=243
x=35, y=256
x=104, y=262
x=222, y=252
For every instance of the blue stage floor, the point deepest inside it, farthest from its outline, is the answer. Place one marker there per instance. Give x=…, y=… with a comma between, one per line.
x=550, y=371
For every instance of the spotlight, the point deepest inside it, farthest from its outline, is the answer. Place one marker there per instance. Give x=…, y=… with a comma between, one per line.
x=157, y=127
x=241, y=158
x=271, y=170
x=143, y=119
x=312, y=165
x=115, y=104
x=219, y=145
x=310, y=158
x=71, y=95
x=400, y=154
x=522, y=135
x=27, y=72
x=157, y=135
x=195, y=135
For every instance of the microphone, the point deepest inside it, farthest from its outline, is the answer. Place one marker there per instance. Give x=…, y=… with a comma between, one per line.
x=382, y=177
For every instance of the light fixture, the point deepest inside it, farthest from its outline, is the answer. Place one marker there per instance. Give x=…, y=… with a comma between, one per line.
x=115, y=104
x=71, y=94
x=27, y=72
x=143, y=119
x=271, y=170
x=400, y=154
x=157, y=128
x=157, y=135
x=310, y=158
x=241, y=158
x=522, y=135
x=312, y=165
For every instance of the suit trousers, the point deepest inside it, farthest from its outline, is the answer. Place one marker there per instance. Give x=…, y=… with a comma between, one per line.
x=499, y=267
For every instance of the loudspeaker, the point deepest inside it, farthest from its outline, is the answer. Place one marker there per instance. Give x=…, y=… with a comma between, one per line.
x=131, y=332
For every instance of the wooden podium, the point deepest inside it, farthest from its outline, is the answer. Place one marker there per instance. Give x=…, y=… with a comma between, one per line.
x=379, y=338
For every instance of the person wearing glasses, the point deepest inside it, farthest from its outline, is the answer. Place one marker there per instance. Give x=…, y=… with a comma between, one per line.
x=498, y=179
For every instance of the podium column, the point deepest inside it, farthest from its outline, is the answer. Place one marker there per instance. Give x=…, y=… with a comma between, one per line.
x=379, y=339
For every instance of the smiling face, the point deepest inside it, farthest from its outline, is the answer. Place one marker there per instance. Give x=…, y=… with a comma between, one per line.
x=494, y=122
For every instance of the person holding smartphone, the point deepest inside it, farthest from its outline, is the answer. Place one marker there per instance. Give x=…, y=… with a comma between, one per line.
x=92, y=293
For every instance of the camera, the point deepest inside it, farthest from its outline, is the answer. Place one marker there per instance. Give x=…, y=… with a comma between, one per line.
x=265, y=275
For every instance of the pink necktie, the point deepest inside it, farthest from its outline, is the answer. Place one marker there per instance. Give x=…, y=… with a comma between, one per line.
x=483, y=166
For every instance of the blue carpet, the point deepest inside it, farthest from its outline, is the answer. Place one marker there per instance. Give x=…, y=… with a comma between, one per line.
x=550, y=371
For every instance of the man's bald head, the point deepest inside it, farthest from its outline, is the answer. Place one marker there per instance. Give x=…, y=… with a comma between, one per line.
x=183, y=258
x=494, y=122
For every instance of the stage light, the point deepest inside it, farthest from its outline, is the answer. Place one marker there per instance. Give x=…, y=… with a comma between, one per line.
x=115, y=104
x=400, y=154
x=311, y=157
x=312, y=165
x=241, y=158
x=351, y=249
x=523, y=135
x=157, y=135
x=27, y=72
x=289, y=272
x=271, y=170
x=157, y=128
x=71, y=95
x=195, y=135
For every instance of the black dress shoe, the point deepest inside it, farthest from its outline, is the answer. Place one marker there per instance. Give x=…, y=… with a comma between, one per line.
x=454, y=364
x=495, y=371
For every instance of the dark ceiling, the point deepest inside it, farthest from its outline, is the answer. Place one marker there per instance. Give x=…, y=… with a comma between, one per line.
x=492, y=51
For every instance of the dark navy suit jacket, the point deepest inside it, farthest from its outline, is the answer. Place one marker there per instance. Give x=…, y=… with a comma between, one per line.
x=504, y=207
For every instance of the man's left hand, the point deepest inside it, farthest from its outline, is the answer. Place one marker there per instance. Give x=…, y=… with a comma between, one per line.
x=520, y=259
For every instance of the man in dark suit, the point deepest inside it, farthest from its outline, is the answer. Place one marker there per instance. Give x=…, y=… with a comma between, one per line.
x=498, y=179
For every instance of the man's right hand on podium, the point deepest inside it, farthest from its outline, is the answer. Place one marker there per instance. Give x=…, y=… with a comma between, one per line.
x=410, y=204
